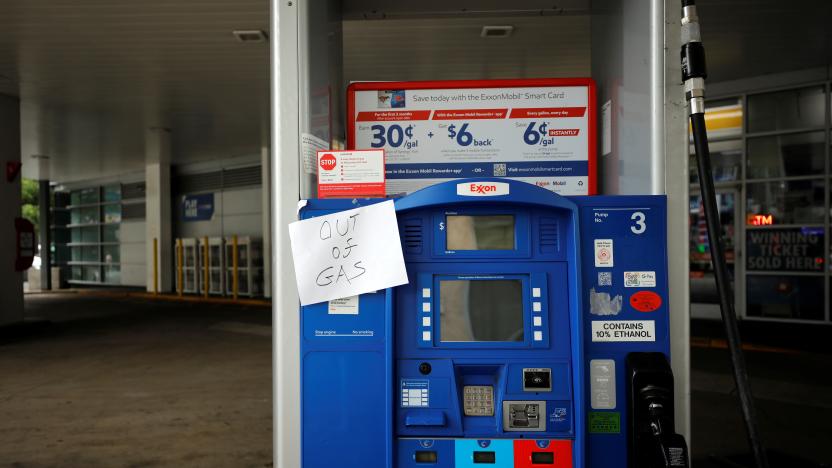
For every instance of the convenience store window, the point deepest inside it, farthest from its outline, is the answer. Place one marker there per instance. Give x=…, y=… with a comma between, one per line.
x=785, y=297
x=770, y=155
x=88, y=225
x=785, y=202
x=726, y=162
x=789, y=155
x=787, y=109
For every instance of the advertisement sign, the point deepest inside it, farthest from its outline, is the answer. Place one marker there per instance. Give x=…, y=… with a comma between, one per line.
x=540, y=131
x=198, y=207
x=785, y=249
x=358, y=173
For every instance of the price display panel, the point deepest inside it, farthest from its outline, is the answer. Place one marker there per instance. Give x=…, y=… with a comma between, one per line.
x=540, y=131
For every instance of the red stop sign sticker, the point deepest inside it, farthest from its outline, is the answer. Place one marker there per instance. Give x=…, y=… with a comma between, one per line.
x=327, y=162
x=645, y=301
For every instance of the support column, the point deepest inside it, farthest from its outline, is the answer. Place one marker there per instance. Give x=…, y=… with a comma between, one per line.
x=675, y=144
x=44, y=221
x=158, y=209
x=266, y=197
x=11, y=282
x=285, y=174
x=36, y=166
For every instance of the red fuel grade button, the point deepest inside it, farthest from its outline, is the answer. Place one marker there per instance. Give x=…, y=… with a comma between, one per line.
x=645, y=301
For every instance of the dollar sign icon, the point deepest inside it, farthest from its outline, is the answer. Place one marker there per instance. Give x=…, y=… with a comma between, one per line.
x=441, y=226
x=451, y=131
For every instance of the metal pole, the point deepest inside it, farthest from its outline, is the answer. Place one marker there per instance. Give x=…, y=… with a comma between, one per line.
x=179, y=273
x=44, y=202
x=155, y=266
x=234, y=270
x=205, y=269
x=288, y=25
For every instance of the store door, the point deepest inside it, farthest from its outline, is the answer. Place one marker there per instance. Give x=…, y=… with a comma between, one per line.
x=703, y=293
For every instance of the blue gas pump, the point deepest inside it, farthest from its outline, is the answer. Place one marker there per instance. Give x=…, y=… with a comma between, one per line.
x=533, y=332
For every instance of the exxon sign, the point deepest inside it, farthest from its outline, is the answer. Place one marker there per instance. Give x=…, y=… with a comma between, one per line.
x=482, y=189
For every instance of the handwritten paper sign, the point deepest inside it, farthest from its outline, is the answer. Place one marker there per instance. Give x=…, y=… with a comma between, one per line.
x=347, y=253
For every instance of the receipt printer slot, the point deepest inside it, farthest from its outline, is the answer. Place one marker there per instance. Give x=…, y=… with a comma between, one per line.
x=522, y=416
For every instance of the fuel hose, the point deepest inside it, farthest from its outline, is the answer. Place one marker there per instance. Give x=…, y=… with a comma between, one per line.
x=693, y=76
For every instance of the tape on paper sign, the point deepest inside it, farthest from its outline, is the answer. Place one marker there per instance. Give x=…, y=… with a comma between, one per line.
x=601, y=303
x=645, y=301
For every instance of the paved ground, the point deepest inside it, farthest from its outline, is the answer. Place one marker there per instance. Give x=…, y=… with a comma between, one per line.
x=794, y=400
x=135, y=383
x=138, y=384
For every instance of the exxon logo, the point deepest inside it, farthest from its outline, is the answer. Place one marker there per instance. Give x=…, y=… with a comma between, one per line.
x=482, y=189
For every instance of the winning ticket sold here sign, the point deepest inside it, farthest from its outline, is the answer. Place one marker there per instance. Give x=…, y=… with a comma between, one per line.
x=540, y=131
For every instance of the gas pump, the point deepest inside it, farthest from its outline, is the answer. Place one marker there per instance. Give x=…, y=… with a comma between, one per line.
x=533, y=332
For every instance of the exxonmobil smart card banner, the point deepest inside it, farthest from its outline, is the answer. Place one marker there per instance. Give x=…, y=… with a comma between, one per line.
x=540, y=131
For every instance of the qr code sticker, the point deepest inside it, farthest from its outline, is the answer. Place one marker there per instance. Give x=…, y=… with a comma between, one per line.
x=631, y=279
x=500, y=170
x=604, y=278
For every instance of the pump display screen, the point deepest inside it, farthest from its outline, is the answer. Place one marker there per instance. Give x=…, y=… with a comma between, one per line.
x=490, y=232
x=481, y=310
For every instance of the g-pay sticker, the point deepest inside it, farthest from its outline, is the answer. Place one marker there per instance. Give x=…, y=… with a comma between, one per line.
x=639, y=279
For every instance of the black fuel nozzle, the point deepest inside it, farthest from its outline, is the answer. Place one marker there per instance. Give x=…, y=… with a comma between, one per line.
x=692, y=54
x=654, y=441
x=670, y=450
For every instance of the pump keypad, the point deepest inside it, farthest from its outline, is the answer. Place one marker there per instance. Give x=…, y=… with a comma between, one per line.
x=478, y=400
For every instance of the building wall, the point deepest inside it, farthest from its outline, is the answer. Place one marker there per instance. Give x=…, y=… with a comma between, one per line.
x=11, y=282
x=132, y=250
x=129, y=230
x=770, y=152
x=236, y=211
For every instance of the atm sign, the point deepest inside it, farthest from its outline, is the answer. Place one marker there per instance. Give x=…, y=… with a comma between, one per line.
x=760, y=220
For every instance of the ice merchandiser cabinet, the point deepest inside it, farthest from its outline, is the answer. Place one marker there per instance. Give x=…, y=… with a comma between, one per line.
x=533, y=332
